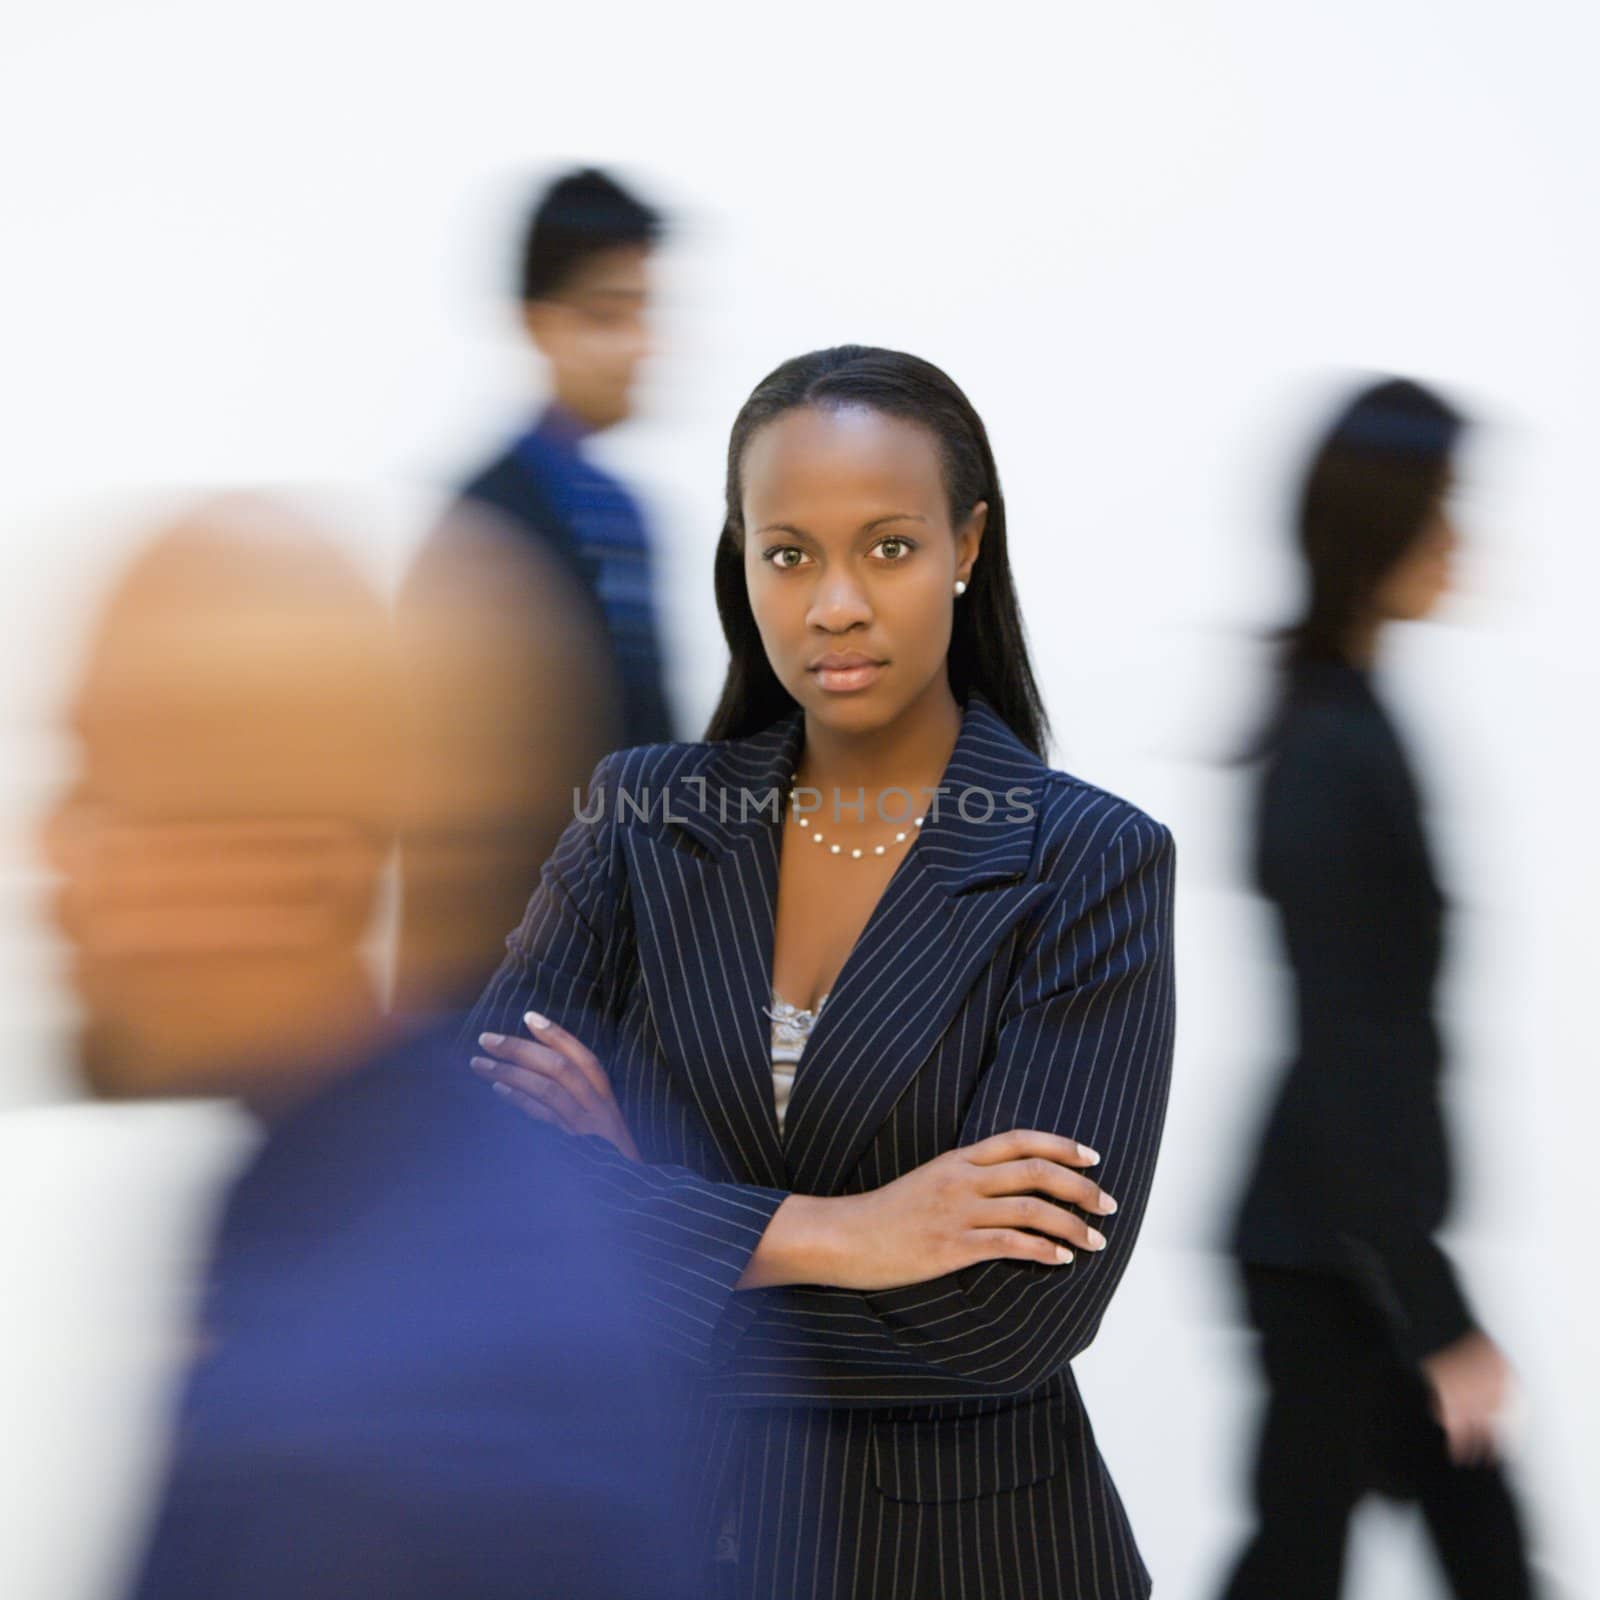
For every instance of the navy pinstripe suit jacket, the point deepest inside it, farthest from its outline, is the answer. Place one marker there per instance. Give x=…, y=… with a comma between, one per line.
x=1017, y=972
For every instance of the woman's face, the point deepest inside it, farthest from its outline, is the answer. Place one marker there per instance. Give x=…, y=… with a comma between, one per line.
x=850, y=558
x=1414, y=586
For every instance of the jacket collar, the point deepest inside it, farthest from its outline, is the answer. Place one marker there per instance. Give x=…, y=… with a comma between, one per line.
x=706, y=930
x=981, y=828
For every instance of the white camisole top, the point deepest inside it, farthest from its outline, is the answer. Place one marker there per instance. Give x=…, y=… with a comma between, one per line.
x=790, y=1029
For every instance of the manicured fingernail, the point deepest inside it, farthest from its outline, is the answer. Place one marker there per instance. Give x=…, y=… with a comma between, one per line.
x=1097, y=1240
x=487, y=1068
x=1091, y=1156
x=502, y=1088
x=1063, y=1255
x=1107, y=1204
x=491, y=1041
x=535, y=1021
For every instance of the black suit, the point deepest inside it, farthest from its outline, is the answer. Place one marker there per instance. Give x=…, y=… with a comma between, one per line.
x=1344, y=1280
x=1017, y=972
x=1340, y=852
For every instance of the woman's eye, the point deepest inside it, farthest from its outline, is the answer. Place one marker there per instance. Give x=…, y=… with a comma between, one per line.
x=895, y=548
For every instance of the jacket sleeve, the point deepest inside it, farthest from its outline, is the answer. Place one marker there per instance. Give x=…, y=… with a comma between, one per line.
x=692, y=1237
x=1343, y=842
x=1083, y=1048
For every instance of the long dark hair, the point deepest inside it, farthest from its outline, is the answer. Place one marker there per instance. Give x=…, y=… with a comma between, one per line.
x=1374, y=477
x=988, y=650
x=1371, y=485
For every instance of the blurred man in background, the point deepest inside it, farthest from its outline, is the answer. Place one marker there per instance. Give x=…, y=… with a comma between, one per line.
x=419, y=1371
x=525, y=708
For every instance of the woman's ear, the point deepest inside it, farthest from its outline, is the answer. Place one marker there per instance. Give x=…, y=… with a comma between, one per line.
x=970, y=539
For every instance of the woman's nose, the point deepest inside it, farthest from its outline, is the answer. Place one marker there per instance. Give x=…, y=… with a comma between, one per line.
x=838, y=601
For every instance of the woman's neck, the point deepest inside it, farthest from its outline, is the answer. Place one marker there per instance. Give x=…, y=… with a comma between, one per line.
x=1361, y=644
x=909, y=753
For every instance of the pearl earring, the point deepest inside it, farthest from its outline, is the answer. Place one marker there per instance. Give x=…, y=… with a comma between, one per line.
x=961, y=587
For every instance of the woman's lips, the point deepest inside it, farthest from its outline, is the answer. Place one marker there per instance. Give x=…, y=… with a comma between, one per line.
x=844, y=680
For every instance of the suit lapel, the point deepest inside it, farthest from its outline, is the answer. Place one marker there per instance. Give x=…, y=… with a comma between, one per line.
x=706, y=926
x=705, y=919
x=955, y=895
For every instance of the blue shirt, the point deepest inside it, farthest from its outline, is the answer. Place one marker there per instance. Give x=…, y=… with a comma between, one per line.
x=427, y=1372
x=615, y=553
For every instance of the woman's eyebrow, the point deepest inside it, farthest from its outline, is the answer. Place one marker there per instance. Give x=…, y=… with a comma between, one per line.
x=866, y=527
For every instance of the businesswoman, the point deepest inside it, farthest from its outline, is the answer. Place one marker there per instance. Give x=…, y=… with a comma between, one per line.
x=1379, y=1375
x=879, y=1083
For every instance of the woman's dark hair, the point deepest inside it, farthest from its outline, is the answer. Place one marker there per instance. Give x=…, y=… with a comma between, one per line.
x=578, y=216
x=988, y=651
x=1371, y=485
x=1375, y=476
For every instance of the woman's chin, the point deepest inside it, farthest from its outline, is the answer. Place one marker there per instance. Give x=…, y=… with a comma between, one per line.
x=855, y=712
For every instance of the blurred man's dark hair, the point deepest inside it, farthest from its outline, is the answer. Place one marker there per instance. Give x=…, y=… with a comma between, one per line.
x=579, y=216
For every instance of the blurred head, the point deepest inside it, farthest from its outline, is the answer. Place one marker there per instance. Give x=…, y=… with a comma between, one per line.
x=218, y=856
x=585, y=290
x=1374, y=528
x=860, y=488
x=493, y=634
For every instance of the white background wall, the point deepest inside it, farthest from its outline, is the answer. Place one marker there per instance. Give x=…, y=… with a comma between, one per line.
x=262, y=246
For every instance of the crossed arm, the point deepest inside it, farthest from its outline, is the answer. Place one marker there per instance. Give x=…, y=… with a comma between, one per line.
x=949, y=1281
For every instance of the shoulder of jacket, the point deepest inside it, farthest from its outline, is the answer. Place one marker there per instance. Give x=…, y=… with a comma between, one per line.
x=653, y=766
x=494, y=477
x=1080, y=822
x=509, y=486
x=1334, y=736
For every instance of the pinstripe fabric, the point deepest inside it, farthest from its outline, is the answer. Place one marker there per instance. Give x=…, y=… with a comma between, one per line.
x=1016, y=972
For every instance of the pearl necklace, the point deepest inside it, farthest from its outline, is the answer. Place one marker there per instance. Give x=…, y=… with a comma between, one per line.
x=855, y=853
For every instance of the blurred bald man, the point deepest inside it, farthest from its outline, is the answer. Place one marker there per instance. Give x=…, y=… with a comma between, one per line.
x=237, y=726
x=420, y=1372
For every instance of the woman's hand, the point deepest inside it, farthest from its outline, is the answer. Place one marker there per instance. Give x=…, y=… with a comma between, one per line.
x=1002, y=1199
x=556, y=1079
x=1471, y=1382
